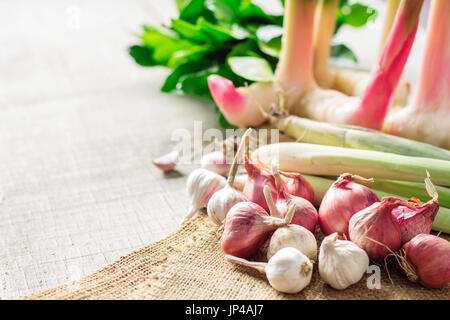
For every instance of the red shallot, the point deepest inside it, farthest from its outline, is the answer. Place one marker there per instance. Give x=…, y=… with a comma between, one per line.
x=376, y=230
x=305, y=214
x=427, y=260
x=247, y=226
x=418, y=220
x=342, y=200
x=298, y=186
x=258, y=177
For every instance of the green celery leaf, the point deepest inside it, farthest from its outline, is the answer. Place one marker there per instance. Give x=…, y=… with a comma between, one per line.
x=248, y=10
x=191, y=54
x=190, y=10
x=223, y=10
x=222, y=33
x=355, y=15
x=196, y=83
x=142, y=55
x=266, y=33
x=245, y=48
x=273, y=48
x=172, y=81
x=251, y=68
x=269, y=39
x=342, y=51
x=163, y=45
x=190, y=31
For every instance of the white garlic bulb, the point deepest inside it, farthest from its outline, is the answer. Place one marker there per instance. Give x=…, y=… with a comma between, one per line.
x=216, y=162
x=288, y=271
x=201, y=185
x=341, y=262
x=223, y=200
x=294, y=236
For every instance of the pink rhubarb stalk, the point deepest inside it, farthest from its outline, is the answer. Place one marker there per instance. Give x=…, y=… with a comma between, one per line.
x=427, y=118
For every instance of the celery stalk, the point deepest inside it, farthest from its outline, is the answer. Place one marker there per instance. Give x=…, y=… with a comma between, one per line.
x=316, y=132
x=332, y=161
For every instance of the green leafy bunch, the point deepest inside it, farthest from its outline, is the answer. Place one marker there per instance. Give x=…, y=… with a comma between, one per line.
x=237, y=39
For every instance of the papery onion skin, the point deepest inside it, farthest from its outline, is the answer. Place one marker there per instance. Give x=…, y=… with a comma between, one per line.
x=244, y=231
x=341, y=202
x=305, y=213
x=258, y=177
x=416, y=221
x=429, y=255
x=298, y=186
x=377, y=223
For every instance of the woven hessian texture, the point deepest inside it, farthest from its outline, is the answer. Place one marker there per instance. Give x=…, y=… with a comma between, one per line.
x=189, y=264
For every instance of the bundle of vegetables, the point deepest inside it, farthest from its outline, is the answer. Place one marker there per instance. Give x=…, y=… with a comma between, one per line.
x=360, y=187
x=279, y=213
x=237, y=39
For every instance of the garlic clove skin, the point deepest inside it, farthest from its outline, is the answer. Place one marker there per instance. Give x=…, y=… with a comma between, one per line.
x=341, y=263
x=289, y=270
x=216, y=162
x=294, y=236
x=221, y=202
x=201, y=185
x=167, y=162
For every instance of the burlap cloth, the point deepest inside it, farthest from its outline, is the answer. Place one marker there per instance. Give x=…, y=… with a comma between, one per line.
x=189, y=264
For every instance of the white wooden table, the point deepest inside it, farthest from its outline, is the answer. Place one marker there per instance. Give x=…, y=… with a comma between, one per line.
x=79, y=125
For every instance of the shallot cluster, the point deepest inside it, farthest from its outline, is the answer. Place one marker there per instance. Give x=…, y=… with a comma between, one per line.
x=274, y=212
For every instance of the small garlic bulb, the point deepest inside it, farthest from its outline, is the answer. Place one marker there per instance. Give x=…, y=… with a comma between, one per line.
x=216, y=162
x=294, y=236
x=223, y=200
x=288, y=271
x=341, y=262
x=201, y=185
